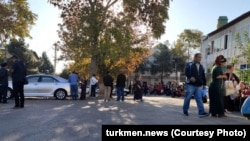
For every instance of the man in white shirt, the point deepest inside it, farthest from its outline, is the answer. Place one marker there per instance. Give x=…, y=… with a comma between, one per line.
x=93, y=84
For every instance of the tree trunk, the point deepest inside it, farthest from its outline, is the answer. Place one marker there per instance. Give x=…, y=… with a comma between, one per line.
x=93, y=66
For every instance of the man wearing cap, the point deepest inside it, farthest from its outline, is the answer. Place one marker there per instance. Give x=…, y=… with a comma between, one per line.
x=18, y=71
x=3, y=83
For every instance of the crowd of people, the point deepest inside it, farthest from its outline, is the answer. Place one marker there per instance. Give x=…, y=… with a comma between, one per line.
x=18, y=73
x=220, y=102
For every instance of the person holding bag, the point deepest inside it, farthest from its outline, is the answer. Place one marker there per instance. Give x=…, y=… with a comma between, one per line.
x=216, y=89
x=229, y=98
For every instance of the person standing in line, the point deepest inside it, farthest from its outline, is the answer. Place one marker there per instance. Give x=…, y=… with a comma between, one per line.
x=83, y=84
x=111, y=91
x=217, y=89
x=3, y=83
x=18, y=71
x=196, y=79
x=138, y=88
x=93, y=84
x=229, y=100
x=108, y=82
x=145, y=89
x=73, y=80
x=120, y=85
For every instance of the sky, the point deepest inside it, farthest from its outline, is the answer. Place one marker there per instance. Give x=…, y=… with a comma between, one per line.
x=183, y=14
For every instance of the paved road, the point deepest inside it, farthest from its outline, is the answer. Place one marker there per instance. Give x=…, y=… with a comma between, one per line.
x=68, y=120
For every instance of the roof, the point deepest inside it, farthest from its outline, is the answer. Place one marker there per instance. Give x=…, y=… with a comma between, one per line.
x=233, y=22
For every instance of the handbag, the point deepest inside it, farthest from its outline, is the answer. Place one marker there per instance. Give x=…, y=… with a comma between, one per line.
x=229, y=87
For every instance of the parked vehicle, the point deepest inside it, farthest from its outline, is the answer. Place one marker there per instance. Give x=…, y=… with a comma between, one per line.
x=44, y=85
x=97, y=90
x=126, y=91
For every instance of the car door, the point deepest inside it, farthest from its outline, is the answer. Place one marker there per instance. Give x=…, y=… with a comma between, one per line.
x=47, y=85
x=31, y=89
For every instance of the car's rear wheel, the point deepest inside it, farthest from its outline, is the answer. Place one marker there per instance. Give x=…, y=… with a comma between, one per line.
x=60, y=94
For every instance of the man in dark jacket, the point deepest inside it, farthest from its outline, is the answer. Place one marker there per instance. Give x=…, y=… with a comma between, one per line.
x=3, y=83
x=196, y=80
x=18, y=71
x=120, y=85
x=108, y=82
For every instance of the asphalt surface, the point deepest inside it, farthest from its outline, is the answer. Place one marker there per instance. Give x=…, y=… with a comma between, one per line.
x=81, y=120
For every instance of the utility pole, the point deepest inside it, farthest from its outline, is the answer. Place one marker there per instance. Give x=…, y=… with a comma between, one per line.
x=55, y=58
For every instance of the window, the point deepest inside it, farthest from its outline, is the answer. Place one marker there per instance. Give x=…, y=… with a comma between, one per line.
x=225, y=41
x=212, y=46
x=33, y=79
x=47, y=79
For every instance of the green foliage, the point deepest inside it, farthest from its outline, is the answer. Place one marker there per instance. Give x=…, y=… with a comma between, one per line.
x=65, y=73
x=108, y=31
x=163, y=60
x=192, y=37
x=30, y=58
x=16, y=19
x=46, y=66
x=243, y=43
x=178, y=53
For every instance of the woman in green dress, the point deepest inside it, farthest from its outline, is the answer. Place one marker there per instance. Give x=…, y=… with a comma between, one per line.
x=216, y=89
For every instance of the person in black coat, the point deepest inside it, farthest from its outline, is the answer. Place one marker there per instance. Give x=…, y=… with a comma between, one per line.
x=120, y=85
x=3, y=83
x=83, y=85
x=108, y=82
x=18, y=71
x=138, y=88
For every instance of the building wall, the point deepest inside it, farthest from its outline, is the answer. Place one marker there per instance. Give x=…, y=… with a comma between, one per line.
x=215, y=45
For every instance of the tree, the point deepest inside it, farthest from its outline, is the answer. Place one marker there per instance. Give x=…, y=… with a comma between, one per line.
x=243, y=43
x=178, y=53
x=46, y=66
x=107, y=31
x=163, y=62
x=30, y=58
x=193, y=39
x=15, y=20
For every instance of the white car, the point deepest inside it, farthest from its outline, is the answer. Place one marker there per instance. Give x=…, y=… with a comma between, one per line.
x=126, y=91
x=44, y=85
x=96, y=90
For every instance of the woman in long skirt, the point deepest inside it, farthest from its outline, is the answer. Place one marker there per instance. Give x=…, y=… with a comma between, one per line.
x=217, y=89
x=138, y=90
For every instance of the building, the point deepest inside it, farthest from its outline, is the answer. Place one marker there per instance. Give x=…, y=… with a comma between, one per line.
x=223, y=41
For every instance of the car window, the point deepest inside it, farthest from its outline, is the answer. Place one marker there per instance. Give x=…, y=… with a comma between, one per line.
x=33, y=79
x=47, y=79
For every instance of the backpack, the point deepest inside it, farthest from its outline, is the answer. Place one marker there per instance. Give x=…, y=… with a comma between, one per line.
x=188, y=66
